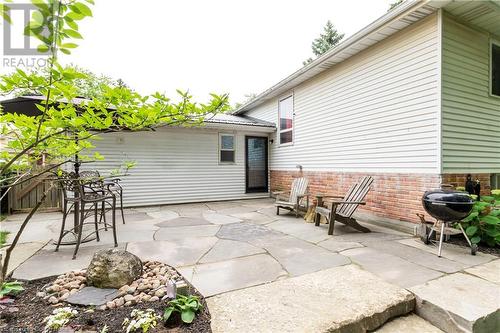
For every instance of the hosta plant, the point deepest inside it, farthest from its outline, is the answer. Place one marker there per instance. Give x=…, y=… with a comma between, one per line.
x=483, y=223
x=187, y=306
x=10, y=288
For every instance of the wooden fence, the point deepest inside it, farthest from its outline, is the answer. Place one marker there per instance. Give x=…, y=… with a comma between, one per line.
x=26, y=195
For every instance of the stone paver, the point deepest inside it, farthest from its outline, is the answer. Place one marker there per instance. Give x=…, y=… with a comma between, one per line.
x=390, y=267
x=337, y=246
x=93, y=296
x=47, y=262
x=254, y=217
x=298, y=228
x=452, y=252
x=182, y=222
x=164, y=215
x=417, y=256
x=186, y=232
x=300, y=257
x=215, y=278
x=489, y=271
x=226, y=249
x=216, y=218
x=356, y=302
x=178, y=252
x=21, y=253
x=247, y=232
x=408, y=324
x=459, y=302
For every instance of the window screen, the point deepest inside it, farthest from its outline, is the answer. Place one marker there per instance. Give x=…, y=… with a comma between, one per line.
x=226, y=147
x=495, y=69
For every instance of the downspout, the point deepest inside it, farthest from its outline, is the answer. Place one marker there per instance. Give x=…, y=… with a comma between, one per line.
x=440, y=94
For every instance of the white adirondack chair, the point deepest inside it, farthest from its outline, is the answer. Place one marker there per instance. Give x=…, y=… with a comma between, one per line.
x=292, y=200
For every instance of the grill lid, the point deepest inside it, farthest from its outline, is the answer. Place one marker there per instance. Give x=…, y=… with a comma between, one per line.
x=447, y=196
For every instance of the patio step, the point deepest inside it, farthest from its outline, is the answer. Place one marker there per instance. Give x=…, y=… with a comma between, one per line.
x=462, y=302
x=408, y=324
x=340, y=299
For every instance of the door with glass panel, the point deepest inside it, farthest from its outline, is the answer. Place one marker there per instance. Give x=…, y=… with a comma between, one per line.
x=256, y=164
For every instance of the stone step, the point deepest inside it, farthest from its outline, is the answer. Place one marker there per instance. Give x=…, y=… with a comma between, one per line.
x=340, y=299
x=461, y=302
x=408, y=324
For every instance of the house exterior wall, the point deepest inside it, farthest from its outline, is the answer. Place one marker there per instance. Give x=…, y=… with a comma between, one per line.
x=470, y=115
x=175, y=166
x=375, y=114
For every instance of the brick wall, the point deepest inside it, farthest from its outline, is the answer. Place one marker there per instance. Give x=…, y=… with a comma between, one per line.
x=458, y=179
x=395, y=196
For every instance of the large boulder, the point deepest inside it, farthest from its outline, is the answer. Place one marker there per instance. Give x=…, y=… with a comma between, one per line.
x=113, y=268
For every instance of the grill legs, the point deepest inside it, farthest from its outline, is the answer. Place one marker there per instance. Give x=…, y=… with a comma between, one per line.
x=441, y=236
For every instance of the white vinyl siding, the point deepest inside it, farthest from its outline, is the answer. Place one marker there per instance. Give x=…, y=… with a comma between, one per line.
x=471, y=116
x=175, y=166
x=378, y=111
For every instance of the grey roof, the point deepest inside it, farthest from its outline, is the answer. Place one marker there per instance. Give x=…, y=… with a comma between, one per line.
x=224, y=118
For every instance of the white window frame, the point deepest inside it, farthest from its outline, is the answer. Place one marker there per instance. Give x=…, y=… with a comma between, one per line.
x=293, y=121
x=220, y=148
x=490, y=79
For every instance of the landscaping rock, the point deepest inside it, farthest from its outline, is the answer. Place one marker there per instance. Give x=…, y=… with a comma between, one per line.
x=113, y=268
x=92, y=296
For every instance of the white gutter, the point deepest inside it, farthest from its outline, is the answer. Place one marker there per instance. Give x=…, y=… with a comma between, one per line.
x=400, y=11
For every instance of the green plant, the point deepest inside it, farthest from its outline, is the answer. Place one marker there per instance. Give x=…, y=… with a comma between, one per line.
x=141, y=321
x=187, y=306
x=58, y=319
x=483, y=223
x=10, y=288
x=3, y=238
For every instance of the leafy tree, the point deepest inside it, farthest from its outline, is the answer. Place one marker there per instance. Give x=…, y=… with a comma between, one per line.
x=90, y=85
x=328, y=39
x=248, y=97
x=65, y=130
x=394, y=5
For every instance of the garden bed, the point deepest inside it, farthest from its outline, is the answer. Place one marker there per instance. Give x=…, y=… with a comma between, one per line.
x=460, y=241
x=28, y=311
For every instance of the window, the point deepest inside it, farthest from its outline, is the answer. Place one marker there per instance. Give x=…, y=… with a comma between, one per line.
x=226, y=148
x=495, y=69
x=286, y=120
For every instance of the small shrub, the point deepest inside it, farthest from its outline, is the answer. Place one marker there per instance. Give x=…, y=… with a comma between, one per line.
x=10, y=288
x=187, y=306
x=141, y=321
x=58, y=319
x=483, y=223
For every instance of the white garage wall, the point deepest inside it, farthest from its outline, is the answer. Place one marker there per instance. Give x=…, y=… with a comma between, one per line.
x=175, y=166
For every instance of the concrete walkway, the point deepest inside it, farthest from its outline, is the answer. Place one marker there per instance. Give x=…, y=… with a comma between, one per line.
x=227, y=248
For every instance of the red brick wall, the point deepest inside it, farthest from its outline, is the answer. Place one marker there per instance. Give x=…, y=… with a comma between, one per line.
x=395, y=196
x=458, y=179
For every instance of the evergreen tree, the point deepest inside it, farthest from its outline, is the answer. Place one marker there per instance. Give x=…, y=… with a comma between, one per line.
x=328, y=39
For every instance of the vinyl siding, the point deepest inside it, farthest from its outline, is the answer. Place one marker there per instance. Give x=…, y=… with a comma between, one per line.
x=175, y=166
x=375, y=112
x=471, y=116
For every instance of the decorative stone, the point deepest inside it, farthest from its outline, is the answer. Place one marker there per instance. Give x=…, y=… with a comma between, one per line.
x=110, y=305
x=154, y=299
x=119, y=301
x=113, y=268
x=128, y=298
x=92, y=296
x=53, y=300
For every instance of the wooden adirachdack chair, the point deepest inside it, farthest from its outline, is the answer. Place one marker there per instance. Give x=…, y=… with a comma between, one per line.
x=342, y=210
x=291, y=200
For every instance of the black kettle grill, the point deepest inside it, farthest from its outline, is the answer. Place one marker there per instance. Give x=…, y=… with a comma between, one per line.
x=447, y=206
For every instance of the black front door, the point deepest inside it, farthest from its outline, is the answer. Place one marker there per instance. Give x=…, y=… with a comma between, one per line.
x=256, y=164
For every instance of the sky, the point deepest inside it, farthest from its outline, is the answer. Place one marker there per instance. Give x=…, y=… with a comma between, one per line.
x=220, y=46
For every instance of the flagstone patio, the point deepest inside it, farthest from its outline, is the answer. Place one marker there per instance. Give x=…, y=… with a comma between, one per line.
x=226, y=247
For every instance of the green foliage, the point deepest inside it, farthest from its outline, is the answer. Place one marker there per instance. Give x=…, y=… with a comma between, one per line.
x=3, y=238
x=328, y=39
x=58, y=319
x=394, y=4
x=483, y=223
x=187, y=306
x=10, y=288
x=141, y=321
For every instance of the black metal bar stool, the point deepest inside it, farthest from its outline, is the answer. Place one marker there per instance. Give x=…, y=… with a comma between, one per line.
x=86, y=192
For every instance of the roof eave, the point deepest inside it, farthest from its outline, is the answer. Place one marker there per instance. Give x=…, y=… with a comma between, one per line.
x=402, y=10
